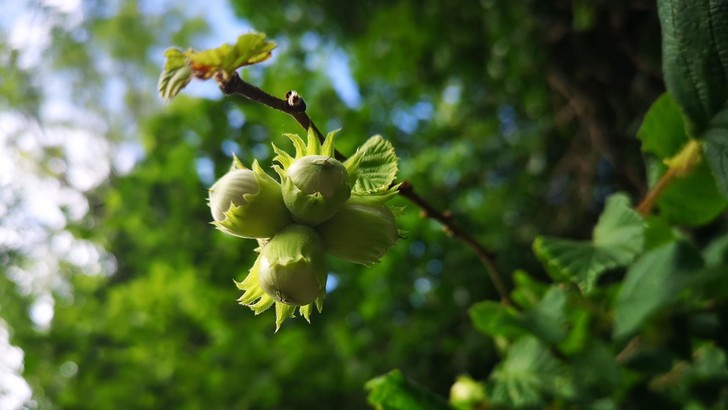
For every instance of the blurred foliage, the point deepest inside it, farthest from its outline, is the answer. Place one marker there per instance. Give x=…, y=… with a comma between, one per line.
x=518, y=117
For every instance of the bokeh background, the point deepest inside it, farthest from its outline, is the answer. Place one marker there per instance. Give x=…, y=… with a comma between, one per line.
x=115, y=292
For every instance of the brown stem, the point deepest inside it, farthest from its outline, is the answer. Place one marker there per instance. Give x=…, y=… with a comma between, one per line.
x=629, y=351
x=486, y=257
x=645, y=207
x=294, y=106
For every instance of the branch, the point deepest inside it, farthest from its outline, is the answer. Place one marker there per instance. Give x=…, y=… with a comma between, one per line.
x=445, y=218
x=294, y=106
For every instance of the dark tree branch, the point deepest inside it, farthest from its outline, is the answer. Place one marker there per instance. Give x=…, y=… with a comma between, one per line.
x=294, y=106
x=445, y=218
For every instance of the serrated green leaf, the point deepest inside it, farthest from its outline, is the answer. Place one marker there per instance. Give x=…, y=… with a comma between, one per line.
x=617, y=239
x=495, y=319
x=716, y=253
x=657, y=232
x=620, y=229
x=377, y=166
x=708, y=366
x=174, y=58
x=653, y=282
x=693, y=199
x=710, y=362
x=528, y=374
x=175, y=75
x=527, y=291
x=596, y=369
x=545, y=320
x=663, y=130
x=695, y=57
x=715, y=150
x=250, y=48
x=180, y=67
x=393, y=391
x=580, y=321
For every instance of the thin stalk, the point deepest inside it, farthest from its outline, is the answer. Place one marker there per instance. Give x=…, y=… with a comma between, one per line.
x=648, y=203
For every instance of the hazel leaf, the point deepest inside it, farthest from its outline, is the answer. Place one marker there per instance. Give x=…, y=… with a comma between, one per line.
x=180, y=67
x=250, y=48
x=616, y=241
x=175, y=75
x=376, y=164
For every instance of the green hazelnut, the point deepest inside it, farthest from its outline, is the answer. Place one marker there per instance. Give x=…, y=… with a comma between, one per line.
x=314, y=188
x=292, y=267
x=359, y=233
x=248, y=203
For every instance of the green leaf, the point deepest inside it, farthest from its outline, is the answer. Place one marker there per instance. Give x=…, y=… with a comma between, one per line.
x=595, y=368
x=657, y=232
x=377, y=166
x=528, y=373
x=393, y=391
x=710, y=362
x=495, y=319
x=695, y=57
x=527, y=291
x=654, y=281
x=693, y=199
x=662, y=132
x=716, y=252
x=180, y=67
x=617, y=239
x=715, y=150
x=251, y=48
x=708, y=366
x=545, y=320
x=175, y=75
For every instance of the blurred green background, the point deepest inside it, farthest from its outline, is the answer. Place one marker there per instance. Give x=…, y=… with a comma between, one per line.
x=517, y=116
